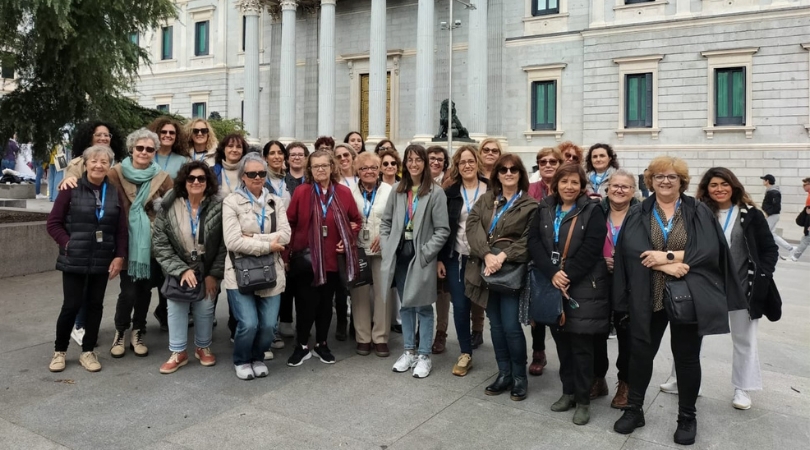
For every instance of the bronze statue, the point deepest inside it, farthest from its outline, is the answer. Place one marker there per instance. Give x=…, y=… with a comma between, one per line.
x=457, y=129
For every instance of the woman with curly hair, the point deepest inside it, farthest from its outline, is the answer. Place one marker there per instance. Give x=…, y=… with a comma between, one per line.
x=571, y=152
x=173, y=151
x=231, y=149
x=600, y=164
x=88, y=134
x=385, y=144
x=389, y=172
x=202, y=141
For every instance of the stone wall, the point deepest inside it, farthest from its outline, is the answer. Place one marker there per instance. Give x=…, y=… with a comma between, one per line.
x=26, y=248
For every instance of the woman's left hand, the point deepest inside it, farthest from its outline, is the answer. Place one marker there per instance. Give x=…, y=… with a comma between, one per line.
x=340, y=248
x=652, y=258
x=188, y=278
x=375, y=245
x=492, y=263
x=115, y=267
x=210, y=287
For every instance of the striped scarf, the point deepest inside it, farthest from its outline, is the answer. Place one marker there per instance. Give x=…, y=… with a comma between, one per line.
x=316, y=239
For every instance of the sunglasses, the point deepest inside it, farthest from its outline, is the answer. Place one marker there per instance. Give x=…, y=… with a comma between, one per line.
x=547, y=162
x=390, y=163
x=202, y=131
x=386, y=147
x=199, y=179
x=144, y=148
x=169, y=132
x=510, y=169
x=487, y=150
x=574, y=158
x=255, y=174
x=344, y=156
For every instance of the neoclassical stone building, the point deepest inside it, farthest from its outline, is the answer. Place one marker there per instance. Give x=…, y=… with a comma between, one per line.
x=717, y=82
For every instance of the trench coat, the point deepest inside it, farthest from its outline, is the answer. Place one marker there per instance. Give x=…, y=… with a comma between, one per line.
x=431, y=230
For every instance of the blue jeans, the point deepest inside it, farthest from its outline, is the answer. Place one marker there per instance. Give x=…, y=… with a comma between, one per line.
x=38, y=179
x=203, y=312
x=424, y=315
x=507, y=334
x=54, y=178
x=7, y=164
x=255, y=325
x=81, y=317
x=461, y=304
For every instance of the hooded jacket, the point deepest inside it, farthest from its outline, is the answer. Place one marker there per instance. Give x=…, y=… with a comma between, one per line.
x=772, y=203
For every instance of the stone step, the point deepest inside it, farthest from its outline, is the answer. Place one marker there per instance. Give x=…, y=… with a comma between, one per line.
x=13, y=203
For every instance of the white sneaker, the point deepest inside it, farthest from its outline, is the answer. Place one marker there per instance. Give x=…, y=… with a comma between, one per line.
x=244, y=371
x=277, y=342
x=670, y=387
x=259, y=369
x=405, y=362
x=286, y=330
x=268, y=355
x=78, y=335
x=41, y=196
x=741, y=399
x=423, y=366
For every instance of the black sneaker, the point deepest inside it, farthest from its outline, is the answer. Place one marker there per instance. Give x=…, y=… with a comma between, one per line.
x=687, y=429
x=162, y=321
x=632, y=418
x=300, y=355
x=322, y=351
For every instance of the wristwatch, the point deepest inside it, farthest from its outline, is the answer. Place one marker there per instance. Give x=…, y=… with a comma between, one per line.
x=670, y=256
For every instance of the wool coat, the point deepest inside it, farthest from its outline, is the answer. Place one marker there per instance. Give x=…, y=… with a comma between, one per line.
x=763, y=253
x=430, y=231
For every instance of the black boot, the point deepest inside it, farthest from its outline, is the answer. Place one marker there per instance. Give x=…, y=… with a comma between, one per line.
x=501, y=384
x=687, y=429
x=519, y=389
x=632, y=418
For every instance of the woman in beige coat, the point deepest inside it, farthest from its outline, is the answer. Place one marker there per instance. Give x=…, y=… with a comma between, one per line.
x=254, y=223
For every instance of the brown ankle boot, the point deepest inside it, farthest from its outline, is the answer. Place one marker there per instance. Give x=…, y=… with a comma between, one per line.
x=599, y=388
x=538, y=362
x=439, y=343
x=620, y=400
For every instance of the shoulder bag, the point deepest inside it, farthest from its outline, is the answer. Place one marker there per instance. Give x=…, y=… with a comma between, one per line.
x=364, y=277
x=546, y=301
x=256, y=273
x=679, y=303
x=508, y=280
x=174, y=290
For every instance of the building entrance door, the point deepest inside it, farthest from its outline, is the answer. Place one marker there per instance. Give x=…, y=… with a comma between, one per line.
x=364, y=105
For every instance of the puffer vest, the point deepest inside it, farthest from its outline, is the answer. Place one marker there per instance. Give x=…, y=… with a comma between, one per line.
x=84, y=254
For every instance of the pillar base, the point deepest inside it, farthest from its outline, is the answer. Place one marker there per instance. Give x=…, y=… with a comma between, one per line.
x=372, y=142
x=422, y=139
x=478, y=137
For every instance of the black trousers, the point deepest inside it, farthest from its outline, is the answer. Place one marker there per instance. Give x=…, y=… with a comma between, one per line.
x=80, y=290
x=576, y=363
x=601, y=363
x=285, y=310
x=314, y=305
x=341, y=305
x=685, y=342
x=539, y=338
x=133, y=303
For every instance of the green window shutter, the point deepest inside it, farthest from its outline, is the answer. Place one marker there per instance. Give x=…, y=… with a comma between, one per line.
x=729, y=91
x=166, y=45
x=201, y=38
x=638, y=100
x=738, y=94
x=544, y=105
x=648, y=100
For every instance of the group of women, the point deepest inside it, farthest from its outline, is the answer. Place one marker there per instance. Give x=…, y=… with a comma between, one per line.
x=382, y=228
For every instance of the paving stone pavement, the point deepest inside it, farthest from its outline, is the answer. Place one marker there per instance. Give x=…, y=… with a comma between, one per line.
x=359, y=402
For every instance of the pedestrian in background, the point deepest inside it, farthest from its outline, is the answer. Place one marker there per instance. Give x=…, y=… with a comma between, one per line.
x=772, y=207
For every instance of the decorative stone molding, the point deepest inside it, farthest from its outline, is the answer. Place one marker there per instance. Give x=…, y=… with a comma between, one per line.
x=737, y=57
x=636, y=65
x=547, y=72
x=250, y=7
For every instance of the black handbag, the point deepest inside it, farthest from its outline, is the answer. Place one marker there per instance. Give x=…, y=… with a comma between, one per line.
x=508, y=280
x=301, y=262
x=256, y=273
x=679, y=303
x=405, y=250
x=173, y=290
x=546, y=305
x=364, y=278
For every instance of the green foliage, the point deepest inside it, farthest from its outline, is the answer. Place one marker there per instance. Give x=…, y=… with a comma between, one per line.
x=73, y=60
x=223, y=127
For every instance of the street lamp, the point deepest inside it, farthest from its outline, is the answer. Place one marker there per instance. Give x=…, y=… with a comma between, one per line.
x=451, y=25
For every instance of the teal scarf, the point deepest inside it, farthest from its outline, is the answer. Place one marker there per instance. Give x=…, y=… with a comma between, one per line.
x=140, y=229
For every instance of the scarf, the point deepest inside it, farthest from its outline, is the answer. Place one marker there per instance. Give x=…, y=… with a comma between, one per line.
x=316, y=239
x=140, y=228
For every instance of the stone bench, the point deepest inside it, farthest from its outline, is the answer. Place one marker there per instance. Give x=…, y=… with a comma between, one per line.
x=17, y=191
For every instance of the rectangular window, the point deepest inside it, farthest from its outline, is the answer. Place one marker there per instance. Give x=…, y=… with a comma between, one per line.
x=201, y=38
x=545, y=7
x=198, y=110
x=631, y=2
x=134, y=37
x=244, y=33
x=242, y=116
x=729, y=91
x=544, y=105
x=638, y=101
x=162, y=108
x=167, y=42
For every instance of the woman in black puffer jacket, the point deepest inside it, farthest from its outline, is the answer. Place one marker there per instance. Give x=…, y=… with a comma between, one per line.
x=584, y=278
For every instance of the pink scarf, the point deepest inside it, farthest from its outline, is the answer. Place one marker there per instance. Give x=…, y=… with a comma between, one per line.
x=316, y=239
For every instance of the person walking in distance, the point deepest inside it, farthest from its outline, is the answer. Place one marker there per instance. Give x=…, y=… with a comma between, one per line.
x=772, y=206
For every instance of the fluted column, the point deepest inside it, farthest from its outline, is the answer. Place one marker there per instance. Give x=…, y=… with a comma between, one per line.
x=377, y=77
x=425, y=25
x=286, y=96
x=251, y=9
x=477, y=57
x=326, y=70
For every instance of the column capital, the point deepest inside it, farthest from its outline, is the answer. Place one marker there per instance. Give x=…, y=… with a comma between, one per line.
x=288, y=5
x=250, y=7
x=328, y=2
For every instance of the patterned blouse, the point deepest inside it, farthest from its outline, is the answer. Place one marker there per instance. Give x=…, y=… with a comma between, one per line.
x=676, y=242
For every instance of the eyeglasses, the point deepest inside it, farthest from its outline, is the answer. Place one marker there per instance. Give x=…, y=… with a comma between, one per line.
x=144, y=148
x=367, y=168
x=547, y=162
x=510, y=169
x=256, y=174
x=325, y=148
x=659, y=177
x=390, y=163
x=296, y=155
x=469, y=162
x=620, y=187
x=415, y=161
x=199, y=179
x=386, y=147
x=344, y=156
x=487, y=150
x=202, y=131
x=102, y=135
x=320, y=167
x=169, y=132
x=436, y=160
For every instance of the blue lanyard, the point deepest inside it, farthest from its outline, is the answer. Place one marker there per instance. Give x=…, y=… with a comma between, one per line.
x=367, y=205
x=475, y=196
x=409, y=213
x=614, y=231
x=559, y=215
x=227, y=181
x=497, y=216
x=280, y=190
x=666, y=229
x=346, y=180
x=195, y=223
x=259, y=219
x=194, y=156
x=100, y=208
x=168, y=157
x=596, y=183
x=728, y=218
x=324, y=207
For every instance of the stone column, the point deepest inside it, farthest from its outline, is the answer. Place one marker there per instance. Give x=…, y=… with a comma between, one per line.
x=598, y=13
x=377, y=77
x=286, y=96
x=477, y=57
x=425, y=26
x=251, y=9
x=326, y=70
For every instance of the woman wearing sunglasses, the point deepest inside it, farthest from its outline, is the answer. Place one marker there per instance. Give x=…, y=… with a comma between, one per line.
x=580, y=273
x=570, y=152
x=324, y=221
x=254, y=223
x=344, y=155
x=173, y=150
x=143, y=185
x=497, y=228
x=188, y=245
x=202, y=140
x=389, y=166
x=489, y=151
x=231, y=149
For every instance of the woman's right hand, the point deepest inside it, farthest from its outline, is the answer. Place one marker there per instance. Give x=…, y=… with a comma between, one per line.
x=560, y=280
x=189, y=279
x=676, y=270
x=609, y=262
x=440, y=270
x=68, y=183
x=275, y=247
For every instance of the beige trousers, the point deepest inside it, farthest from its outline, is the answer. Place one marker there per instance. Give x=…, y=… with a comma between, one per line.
x=369, y=305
